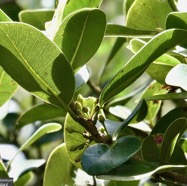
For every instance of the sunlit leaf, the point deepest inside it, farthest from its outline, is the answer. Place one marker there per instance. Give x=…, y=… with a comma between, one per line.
x=81, y=45
x=144, y=11
x=36, y=18
x=32, y=60
x=4, y=17
x=140, y=61
x=58, y=170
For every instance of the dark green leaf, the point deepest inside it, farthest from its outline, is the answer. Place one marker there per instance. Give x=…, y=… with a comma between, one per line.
x=177, y=20
x=3, y=172
x=140, y=61
x=36, y=63
x=167, y=119
x=101, y=158
x=81, y=45
x=40, y=113
x=137, y=114
x=36, y=18
x=58, y=170
x=171, y=136
x=24, y=179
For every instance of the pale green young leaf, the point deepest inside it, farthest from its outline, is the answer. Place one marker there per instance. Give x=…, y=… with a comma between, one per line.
x=4, y=17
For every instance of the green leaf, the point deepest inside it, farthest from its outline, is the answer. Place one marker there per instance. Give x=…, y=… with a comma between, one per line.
x=45, y=129
x=169, y=96
x=177, y=20
x=183, y=144
x=122, y=31
x=126, y=5
x=36, y=63
x=137, y=114
x=41, y=112
x=101, y=158
x=140, y=61
x=58, y=170
x=177, y=76
x=81, y=45
x=137, y=170
x=19, y=167
x=167, y=119
x=154, y=88
x=3, y=172
x=4, y=17
x=24, y=179
x=148, y=15
x=7, y=87
x=36, y=18
x=75, y=5
x=172, y=135
x=160, y=67
x=150, y=151
x=75, y=142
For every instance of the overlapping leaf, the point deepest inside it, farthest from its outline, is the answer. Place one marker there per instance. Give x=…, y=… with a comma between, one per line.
x=32, y=60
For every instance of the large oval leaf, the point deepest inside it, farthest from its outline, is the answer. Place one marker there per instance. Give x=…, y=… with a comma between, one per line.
x=35, y=62
x=140, y=61
x=150, y=14
x=59, y=168
x=101, y=158
x=81, y=45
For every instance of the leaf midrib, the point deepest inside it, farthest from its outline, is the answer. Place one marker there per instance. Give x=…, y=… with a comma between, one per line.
x=54, y=93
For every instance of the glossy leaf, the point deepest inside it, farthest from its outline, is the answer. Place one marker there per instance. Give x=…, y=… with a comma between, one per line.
x=41, y=112
x=58, y=170
x=73, y=133
x=146, y=10
x=140, y=61
x=137, y=114
x=183, y=145
x=81, y=45
x=7, y=87
x=137, y=170
x=36, y=18
x=177, y=20
x=122, y=31
x=101, y=158
x=177, y=76
x=36, y=63
x=75, y=5
x=167, y=119
x=171, y=136
x=4, y=17
x=19, y=167
x=160, y=67
x=24, y=179
x=45, y=129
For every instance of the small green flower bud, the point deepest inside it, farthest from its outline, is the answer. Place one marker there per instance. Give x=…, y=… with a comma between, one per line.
x=101, y=118
x=78, y=105
x=85, y=109
x=80, y=99
x=74, y=147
